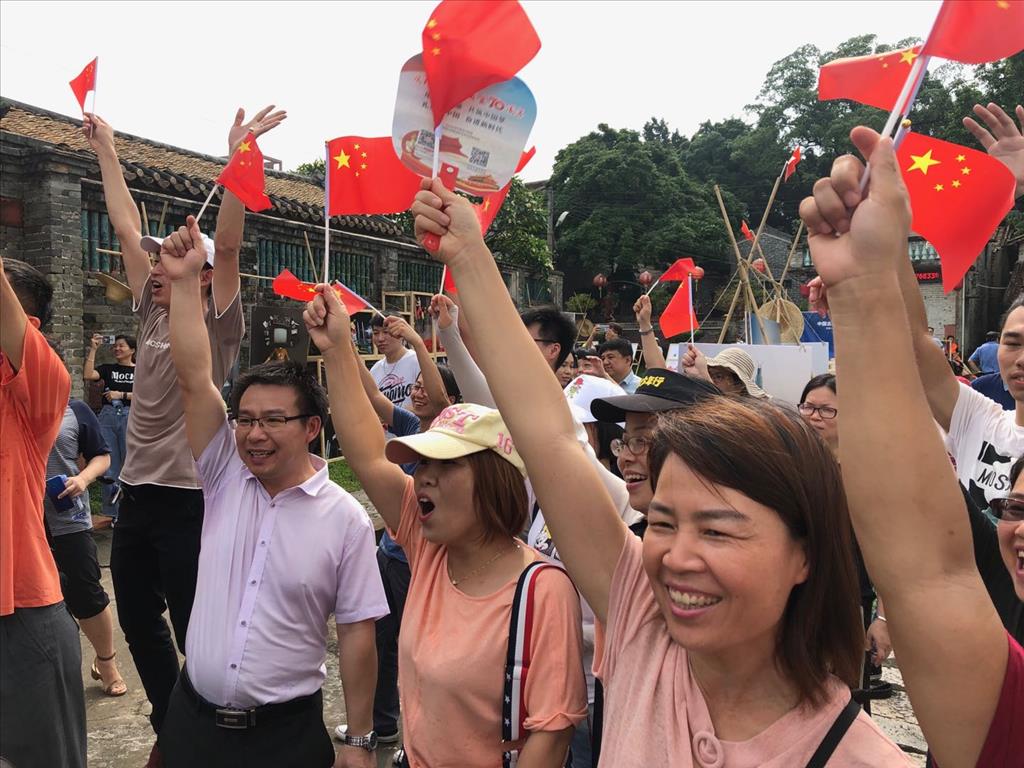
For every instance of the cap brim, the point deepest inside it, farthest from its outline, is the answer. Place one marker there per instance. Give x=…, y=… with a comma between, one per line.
x=433, y=445
x=614, y=409
x=151, y=244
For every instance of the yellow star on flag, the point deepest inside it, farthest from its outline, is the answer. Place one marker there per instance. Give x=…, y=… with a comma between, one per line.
x=907, y=57
x=956, y=183
x=244, y=147
x=923, y=162
x=487, y=204
x=885, y=65
x=436, y=36
x=342, y=160
x=965, y=171
x=1003, y=4
x=939, y=187
x=961, y=158
x=436, y=51
x=432, y=23
x=363, y=154
x=363, y=166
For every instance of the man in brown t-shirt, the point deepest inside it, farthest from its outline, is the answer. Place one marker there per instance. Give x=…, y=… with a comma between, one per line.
x=155, y=551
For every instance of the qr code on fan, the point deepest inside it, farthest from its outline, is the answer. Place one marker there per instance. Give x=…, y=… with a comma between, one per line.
x=479, y=157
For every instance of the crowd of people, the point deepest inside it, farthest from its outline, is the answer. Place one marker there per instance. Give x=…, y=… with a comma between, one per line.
x=583, y=565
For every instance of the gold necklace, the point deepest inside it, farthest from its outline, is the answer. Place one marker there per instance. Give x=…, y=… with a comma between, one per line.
x=455, y=582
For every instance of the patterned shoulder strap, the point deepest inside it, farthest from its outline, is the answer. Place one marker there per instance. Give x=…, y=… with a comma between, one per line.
x=520, y=654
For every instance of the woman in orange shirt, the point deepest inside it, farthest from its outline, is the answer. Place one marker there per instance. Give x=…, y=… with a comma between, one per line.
x=731, y=631
x=457, y=520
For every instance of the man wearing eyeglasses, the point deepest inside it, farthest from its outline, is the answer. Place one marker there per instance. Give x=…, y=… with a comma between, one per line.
x=283, y=548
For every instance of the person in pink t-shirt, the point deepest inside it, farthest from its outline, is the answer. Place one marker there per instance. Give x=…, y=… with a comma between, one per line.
x=731, y=631
x=964, y=675
x=458, y=519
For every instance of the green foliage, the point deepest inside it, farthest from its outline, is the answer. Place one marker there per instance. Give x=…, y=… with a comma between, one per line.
x=518, y=234
x=580, y=303
x=315, y=168
x=342, y=474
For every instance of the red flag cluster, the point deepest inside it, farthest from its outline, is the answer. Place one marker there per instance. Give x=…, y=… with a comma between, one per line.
x=290, y=287
x=958, y=195
x=471, y=44
x=679, y=316
x=244, y=176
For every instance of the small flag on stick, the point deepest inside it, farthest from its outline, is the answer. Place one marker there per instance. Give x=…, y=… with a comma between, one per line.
x=365, y=177
x=85, y=82
x=244, y=176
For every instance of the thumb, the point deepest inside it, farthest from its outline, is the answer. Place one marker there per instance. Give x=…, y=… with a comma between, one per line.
x=880, y=152
x=194, y=233
x=331, y=300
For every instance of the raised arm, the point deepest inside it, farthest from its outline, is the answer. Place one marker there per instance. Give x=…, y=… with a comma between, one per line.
x=89, y=367
x=121, y=209
x=355, y=424
x=653, y=357
x=910, y=521
x=182, y=256
x=227, y=239
x=432, y=382
x=582, y=518
x=383, y=407
x=12, y=322
x=450, y=327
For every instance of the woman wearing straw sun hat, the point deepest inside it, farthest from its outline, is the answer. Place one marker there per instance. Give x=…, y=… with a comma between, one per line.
x=465, y=700
x=732, y=370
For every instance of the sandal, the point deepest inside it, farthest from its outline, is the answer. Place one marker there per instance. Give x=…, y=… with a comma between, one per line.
x=116, y=687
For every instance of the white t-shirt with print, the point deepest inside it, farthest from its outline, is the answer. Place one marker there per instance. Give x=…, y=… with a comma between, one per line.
x=395, y=380
x=984, y=441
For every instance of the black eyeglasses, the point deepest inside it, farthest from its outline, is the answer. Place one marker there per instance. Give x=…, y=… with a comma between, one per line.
x=1009, y=509
x=825, y=411
x=635, y=445
x=268, y=423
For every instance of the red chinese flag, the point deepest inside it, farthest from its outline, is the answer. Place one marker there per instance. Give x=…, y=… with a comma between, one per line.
x=448, y=284
x=365, y=176
x=791, y=164
x=680, y=270
x=977, y=31
x=488, y=209
x=85, y=82
x=471, y=44
x=290, y=287
x=679, y=316
x=243, y=175
x=746, y=230
x=875, y=80
x=959, y=196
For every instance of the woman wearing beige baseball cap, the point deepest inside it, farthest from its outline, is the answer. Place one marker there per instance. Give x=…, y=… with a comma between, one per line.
x=458, y=519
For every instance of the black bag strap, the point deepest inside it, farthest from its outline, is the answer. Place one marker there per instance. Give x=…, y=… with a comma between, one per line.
x=835, y=735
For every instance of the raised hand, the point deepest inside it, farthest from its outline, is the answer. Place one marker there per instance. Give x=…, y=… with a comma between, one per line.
x=96, y=340
x=183, y=253
x=852, y=236
x=1003, y=139
x=642, y=310
x=439, y=211
x=400, y=329
x=264, y=121
x=327, y=320
x=98, y=132
x=443, y=310
x=694, y=363
x=817, y=297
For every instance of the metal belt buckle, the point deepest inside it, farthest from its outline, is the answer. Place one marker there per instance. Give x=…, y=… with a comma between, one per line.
x=236, y=719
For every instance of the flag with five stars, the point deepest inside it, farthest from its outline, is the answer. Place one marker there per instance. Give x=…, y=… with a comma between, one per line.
x=958, y=195
x=365, y=176
x=791, y=164
x=875, y=80
x=471, y=44
x=977, y=31
x=679, y=316
x=746, y=230
x=85, y=82
x=680, y=270
x=243, y=175
x=289, y=286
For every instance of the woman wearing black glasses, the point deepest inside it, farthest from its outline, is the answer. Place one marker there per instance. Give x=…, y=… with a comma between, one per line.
x=818, y=407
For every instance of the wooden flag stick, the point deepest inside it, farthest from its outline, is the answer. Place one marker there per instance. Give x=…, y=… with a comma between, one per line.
x=792, y=251
x=312, y=263
x=740, y=263
x=163, y=215
x=145, y=218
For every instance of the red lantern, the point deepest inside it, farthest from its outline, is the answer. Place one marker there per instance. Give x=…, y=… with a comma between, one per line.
x=760, y=266
x=698, y=273
x=644, y=278
x=600, y=281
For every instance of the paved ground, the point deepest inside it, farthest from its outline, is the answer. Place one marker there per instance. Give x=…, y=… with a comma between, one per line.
x=120, y=735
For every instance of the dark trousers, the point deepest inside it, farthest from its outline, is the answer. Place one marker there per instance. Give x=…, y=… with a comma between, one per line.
x=192, y=738
x=42, y=705
x=395, y=575
x=154, y=559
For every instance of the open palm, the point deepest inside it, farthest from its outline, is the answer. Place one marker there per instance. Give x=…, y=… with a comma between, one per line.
x=1004, y=140
x=265, y=120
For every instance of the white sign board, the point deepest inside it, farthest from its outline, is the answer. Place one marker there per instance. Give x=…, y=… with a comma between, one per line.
x=782, y=369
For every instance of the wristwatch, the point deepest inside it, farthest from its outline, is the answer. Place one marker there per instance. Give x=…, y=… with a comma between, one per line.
x=367, y=742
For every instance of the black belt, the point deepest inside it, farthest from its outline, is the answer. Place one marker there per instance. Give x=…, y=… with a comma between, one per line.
x=241, y=719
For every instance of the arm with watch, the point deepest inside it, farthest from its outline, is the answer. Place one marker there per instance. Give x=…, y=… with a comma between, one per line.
x=653, y=357
x=357, y=663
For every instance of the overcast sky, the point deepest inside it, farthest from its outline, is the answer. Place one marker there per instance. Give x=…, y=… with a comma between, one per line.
x=175, y=72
